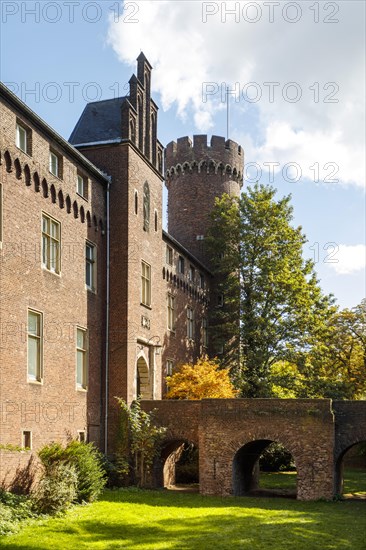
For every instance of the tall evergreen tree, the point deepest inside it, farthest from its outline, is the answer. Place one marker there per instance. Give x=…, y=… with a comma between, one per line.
x=265, y=283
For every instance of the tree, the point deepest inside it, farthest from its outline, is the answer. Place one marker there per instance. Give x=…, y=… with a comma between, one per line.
x=203, y=380
x=140, y=439
x=257, y=259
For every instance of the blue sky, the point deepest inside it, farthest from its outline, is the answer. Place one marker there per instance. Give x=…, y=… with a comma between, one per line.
x=296, y=71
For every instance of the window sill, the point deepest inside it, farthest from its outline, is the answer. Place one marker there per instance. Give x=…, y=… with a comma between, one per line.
x=24, y=152
x=145, y=305
x=81, y=389
x=82, y=196
x=35, y=382
x=91, y=290
x=55, y=176
x=46, y=270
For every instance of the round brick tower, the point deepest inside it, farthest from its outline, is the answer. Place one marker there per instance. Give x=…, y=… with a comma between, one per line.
x=196, y=173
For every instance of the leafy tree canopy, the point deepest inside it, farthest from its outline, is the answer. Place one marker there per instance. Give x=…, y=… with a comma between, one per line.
x=203, y=380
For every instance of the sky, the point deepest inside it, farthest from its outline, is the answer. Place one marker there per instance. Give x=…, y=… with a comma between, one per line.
x=286, y=80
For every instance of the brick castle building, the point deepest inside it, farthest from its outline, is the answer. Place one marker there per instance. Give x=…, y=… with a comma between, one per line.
x=96, y=299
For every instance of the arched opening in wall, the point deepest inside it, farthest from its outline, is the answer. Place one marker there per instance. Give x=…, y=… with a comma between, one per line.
x=53, y=193
x=27, y=175
x=143, y=382
x=350, y=475
x=8, y=163
x=61, y=201
x=180, y=469
x=18, y=169
x=264, y=468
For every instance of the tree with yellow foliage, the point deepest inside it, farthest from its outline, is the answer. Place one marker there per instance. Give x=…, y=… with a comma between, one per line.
x=203, y=380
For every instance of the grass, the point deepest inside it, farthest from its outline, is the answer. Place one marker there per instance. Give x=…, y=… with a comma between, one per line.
x=159, y=520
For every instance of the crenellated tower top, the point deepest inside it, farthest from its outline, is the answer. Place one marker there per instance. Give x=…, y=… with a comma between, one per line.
x=195, y=174
x=220, y=157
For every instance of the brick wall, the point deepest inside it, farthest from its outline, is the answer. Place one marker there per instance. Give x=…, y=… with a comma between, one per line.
x=53, y=408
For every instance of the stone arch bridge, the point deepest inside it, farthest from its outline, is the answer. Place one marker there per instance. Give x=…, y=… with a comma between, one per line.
x=231, y=434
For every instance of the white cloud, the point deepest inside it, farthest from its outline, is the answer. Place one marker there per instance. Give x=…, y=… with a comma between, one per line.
x=325, y=60
x=348, y=259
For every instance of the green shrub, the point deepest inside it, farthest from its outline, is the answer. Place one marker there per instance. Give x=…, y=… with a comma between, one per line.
x=276, y=458
x=88, y=463
x=13, y=509
x=56, y=490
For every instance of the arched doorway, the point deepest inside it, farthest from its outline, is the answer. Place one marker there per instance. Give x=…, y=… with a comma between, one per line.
x=253, y=476
x=350, y=474
x=143, y=382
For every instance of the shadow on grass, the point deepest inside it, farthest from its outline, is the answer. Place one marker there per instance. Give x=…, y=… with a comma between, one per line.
x=147, y=520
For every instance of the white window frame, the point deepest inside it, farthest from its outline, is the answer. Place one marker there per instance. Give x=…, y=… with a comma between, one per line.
x=91, y=263
x=82, y=186
x=171, y=312
x=51, y=244
x=191, y=273
x=82, y=436
x=38, y=338
x=55, y=164
x=190, y=323
x=82, y=351
x=145, y=284
x=181, y=266
x=21, y=133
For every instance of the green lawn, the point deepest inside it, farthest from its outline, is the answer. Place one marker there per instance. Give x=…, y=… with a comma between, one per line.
x=156, y=520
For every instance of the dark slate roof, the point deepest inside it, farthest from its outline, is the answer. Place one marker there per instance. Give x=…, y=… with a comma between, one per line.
x=100, y=122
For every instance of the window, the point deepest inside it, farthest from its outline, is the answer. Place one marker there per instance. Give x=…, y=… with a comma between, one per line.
x=181, y=264
x=90, y=266
x=200, y=237
x=81, y=436
x=156, y=220
x=191, y=273
x=21, y=138
x=204, y=332
x=35, y=328
x=202, y=281
x=220, y=300
x=190, y=323
x=81, y=358
x=82, y=186
x=136, y=202
x=26, y=439
x=169, y=367
x=169, y=255
x=55, y=166
x=171, y=312
x=145, y=284
x=146, y=206
x=51, y=250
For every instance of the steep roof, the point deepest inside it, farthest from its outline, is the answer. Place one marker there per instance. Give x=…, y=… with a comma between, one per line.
x=100, y=122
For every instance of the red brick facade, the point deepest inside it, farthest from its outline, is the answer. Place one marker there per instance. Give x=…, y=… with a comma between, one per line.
x=156, y=307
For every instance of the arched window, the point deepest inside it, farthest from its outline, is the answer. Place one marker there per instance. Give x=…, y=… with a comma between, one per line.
x=68, y=204
x=88, y=219
x=82, y=214
x=146, y=206
x=75, y=209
